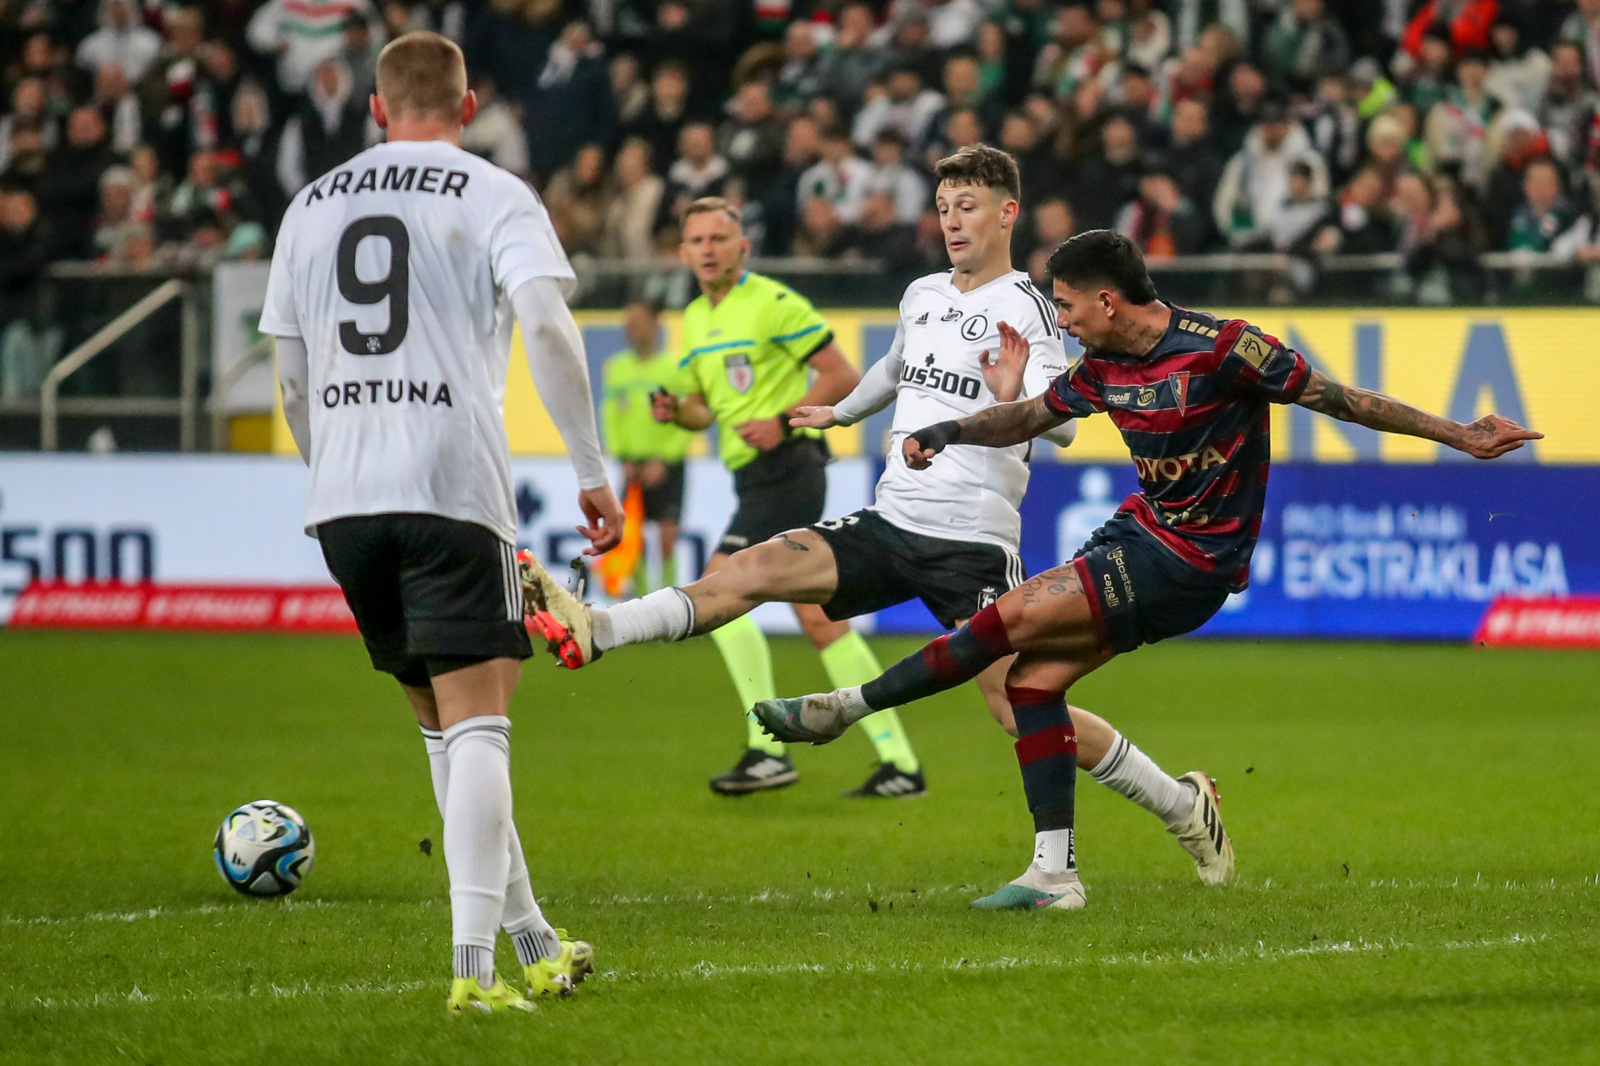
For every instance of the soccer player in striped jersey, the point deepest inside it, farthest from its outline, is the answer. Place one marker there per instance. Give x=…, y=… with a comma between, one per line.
x=948, y=536
x=1190, y=394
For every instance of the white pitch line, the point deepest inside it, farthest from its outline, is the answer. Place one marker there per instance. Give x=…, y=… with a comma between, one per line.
x=709, y=971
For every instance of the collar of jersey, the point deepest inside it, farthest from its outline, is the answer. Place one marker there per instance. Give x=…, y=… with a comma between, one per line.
x=950, y=283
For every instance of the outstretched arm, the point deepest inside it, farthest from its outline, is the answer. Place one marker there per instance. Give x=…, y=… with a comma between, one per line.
x=1488, y=438
x=999, y=426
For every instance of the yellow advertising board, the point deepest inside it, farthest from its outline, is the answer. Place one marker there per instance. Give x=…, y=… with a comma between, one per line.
x=1536, y=366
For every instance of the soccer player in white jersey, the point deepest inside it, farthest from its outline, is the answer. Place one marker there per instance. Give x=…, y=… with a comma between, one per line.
x=392, y=293
x=949, y=538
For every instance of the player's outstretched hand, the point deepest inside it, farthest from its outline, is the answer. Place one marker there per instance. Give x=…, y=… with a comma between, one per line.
x=813, y=418
x=663, y=406
x=604, y=515
x=762, y=434
x=1492, y=436
x=1002, y=371
x=920, y=447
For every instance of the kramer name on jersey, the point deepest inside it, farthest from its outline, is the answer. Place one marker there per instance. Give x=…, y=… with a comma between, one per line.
x=435, y=180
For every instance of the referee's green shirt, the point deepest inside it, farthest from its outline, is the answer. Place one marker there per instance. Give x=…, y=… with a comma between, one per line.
x=630, y=430
x=748, y=355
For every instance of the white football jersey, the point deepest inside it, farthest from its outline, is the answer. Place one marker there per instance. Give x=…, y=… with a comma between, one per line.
x=970, y=492
x=395, y=270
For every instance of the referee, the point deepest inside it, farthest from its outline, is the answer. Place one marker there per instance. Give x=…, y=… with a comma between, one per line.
x=749, y=343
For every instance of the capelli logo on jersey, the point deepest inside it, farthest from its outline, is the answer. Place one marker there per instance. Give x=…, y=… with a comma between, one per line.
x=392, y=391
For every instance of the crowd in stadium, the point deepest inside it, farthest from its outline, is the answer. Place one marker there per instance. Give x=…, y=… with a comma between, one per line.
x=136, y=133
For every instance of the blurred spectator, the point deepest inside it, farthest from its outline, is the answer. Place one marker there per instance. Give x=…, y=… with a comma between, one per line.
x=1521, y=141
x=802, y=150
x=902, y=104
x=630, y=218
x=508, y=43
x=1110, y=178
x=1428, y=81
x=1302, y=208
x=1566, y=110
x=880, y=234
x=800, y=77
x=118, y=107
x=752, y=137
x=28, y=344
x=1236, y=111
x=447, y=17
x=28, y=158
x=957, y=130
x=70, y=189
x=630, y=96
x=1517, y=73
x=839, y=177
x=1135, y=98
x=1255, y=183
x=578, y=197
x=121, y=39
x=819, y=231
x=1458, y=125
x=1161, y=220
x=893, y=178
x=951, y=23
x=1334, y=127
x=964, y=91
x=116, y=206
x=146, y=188
x=1466, y=21
x=1583, y=28
x=1305, y=44
x=1360, y=223
x=167, y=91
x=1581, y=241
x=256, y=145
x=908, y=45
x=851, y=64
x=28, y=108
x=698, y=171
x=302, y=34
x=496, y=132
x=1074, y=54
x=1435, y=238
x=571, y=104
x=1149, y=34
x=210, y=191
x=1544, y=213
x=1040, y=174
x=662, y=121
x=1052, y=224
x=326, y=129
x=1386, y=151
x=130, y=246
x=994, y=78
x=212, y=109
x=360, y=53
x=1193, y=160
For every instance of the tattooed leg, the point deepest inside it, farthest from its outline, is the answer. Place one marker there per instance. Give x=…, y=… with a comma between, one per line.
x=793, y=567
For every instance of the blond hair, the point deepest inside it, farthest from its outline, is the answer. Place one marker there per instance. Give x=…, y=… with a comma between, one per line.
x=422, y=74
x=710, y=204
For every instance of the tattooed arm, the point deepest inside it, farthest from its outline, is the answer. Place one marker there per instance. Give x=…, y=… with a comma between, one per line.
x=1488, y=438
x=999, y=426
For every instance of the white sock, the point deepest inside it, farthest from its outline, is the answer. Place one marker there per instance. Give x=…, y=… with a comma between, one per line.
x=522, y=918
x=1130, y=772
x=855, y=708
x=1052, y=851
x=665, y=614
x=477, y=824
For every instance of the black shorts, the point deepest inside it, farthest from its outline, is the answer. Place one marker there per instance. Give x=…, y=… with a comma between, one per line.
x=880, y=565
x=779, y=490
x=427, y=588
x=663, y=502
x=1138, y=591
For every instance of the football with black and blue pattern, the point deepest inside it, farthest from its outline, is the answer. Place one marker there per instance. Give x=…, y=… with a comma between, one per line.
x=264, y=849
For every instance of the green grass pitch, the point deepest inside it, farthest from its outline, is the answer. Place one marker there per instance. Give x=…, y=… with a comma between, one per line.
x=1416, y=829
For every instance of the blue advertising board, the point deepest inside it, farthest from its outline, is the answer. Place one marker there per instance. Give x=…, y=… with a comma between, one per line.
x=1360, y=549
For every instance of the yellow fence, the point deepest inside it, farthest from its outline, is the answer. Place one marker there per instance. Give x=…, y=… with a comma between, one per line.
x=1539, y=367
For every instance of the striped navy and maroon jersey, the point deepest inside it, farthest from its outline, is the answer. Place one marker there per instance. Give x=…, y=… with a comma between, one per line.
x=1193, y=412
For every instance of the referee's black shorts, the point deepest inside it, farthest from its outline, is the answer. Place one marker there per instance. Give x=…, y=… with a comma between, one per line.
x=430, y=594
x=783, y=489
